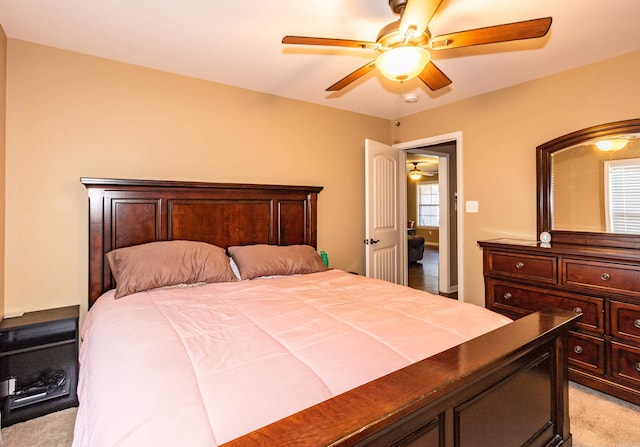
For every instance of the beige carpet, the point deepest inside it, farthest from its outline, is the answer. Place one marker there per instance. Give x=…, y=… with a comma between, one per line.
x=597, y=420
x=52, y=430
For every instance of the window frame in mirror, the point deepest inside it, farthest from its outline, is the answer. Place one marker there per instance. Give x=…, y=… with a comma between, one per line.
x=543, y=180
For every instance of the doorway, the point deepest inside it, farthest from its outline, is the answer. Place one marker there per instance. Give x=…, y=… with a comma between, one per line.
x=438, y=268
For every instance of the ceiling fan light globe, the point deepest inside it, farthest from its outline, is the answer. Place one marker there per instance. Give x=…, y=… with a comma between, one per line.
x=610, y=145
x=403, y=63
x=415, y=173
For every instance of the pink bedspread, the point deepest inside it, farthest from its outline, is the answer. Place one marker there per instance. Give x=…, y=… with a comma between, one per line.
x=202, y=365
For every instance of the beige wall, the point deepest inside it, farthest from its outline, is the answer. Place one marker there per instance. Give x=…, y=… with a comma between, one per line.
x=71, y=115
x=3, y=102
x=500, y=133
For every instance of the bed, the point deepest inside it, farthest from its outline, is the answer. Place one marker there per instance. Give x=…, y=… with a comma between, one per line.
x=180, y=365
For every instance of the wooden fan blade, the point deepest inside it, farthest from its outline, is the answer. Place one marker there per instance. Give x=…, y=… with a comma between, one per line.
x=417, y=14
x=342, y=83
x=433, y=77
x=529, y=29
x=301, y=40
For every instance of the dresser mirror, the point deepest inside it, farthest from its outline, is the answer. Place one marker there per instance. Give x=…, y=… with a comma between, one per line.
x=588, y=185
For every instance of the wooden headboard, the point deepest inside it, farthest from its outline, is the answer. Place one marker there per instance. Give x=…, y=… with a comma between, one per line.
x=131, y=212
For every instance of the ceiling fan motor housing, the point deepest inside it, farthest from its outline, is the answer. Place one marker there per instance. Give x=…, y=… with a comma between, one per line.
x=390, y=36
x=397, y=6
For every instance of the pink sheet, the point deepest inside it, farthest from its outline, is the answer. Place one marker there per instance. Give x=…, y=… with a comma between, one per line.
x=200, y=366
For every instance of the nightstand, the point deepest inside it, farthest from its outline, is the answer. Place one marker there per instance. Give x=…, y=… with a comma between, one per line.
x=38, y=363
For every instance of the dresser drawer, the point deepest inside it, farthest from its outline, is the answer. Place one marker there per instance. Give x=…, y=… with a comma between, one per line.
x=522, y=300
x=586, y=353
x=604, y=276
x=537, y=268
x=625, y=321
x=625, y=364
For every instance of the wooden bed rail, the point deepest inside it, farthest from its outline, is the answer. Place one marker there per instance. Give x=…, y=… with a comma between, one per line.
x=508, y=387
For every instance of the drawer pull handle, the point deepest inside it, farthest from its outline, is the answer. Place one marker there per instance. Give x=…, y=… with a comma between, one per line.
x=637, y=366
x=520, y=265
x=507, y=296
x=605, y=277
x=577, y=349
x=577, y=310
x=637, y=323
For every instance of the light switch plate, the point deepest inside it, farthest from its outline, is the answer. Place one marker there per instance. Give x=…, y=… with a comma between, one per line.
x=471, y=206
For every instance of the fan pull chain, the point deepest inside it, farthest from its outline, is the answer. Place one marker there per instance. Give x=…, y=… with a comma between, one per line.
x=399, y=104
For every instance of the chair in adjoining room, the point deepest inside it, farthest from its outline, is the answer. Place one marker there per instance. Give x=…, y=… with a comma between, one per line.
x=415, y=248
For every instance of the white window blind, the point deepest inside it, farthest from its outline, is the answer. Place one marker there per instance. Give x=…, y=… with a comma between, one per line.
x=622, y=195
x=428, y=204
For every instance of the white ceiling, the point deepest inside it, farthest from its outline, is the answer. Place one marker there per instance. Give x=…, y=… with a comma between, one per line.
x=239, y=42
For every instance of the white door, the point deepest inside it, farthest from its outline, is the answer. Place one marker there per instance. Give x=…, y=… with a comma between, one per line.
x=384, y=233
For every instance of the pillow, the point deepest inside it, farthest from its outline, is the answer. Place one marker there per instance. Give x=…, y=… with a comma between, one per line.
x=167, y=263
x=234, y=269
x=268, y=260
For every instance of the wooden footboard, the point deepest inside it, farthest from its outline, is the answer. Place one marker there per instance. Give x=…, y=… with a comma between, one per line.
x=506, y=388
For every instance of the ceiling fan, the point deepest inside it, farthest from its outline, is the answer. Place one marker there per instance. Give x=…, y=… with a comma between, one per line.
x=416, y=173
x=404, y=44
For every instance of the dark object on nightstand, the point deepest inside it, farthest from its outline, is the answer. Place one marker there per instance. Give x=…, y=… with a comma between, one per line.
x=415, y=248
x=38, y=363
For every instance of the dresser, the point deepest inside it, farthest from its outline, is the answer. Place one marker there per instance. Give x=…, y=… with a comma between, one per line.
x=601, y=283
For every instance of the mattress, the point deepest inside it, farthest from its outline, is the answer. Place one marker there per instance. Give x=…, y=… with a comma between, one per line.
x=205, y=364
